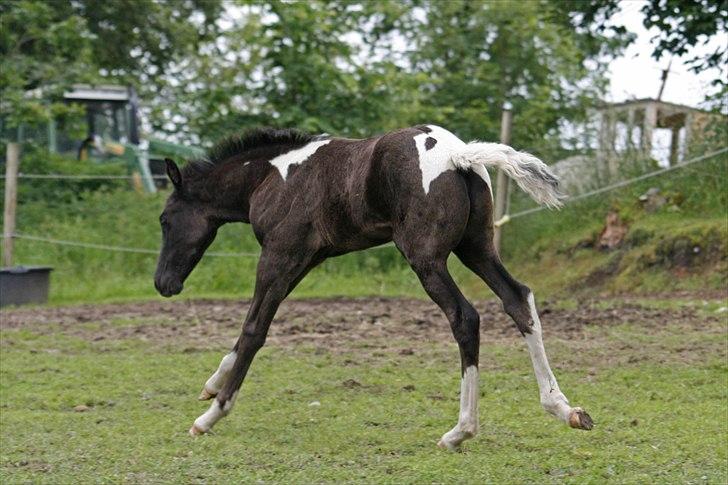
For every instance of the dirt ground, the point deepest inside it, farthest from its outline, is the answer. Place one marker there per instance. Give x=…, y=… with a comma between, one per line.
x=345, y=322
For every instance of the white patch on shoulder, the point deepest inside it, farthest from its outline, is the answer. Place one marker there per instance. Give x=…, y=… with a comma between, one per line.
x=296, y=157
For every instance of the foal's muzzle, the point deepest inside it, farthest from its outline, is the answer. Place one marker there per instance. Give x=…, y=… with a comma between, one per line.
x=166, y=287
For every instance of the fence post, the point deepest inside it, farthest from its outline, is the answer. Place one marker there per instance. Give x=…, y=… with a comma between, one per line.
x=502, y=181
x=12, y=158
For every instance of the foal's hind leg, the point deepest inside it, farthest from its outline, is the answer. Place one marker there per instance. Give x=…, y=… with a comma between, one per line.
x=519, y=303
x=465, y=324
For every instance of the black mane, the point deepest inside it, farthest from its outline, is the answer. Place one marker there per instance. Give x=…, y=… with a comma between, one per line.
x=251, y=139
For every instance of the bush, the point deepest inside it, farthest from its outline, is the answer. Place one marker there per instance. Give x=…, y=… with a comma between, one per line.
x=35, y=160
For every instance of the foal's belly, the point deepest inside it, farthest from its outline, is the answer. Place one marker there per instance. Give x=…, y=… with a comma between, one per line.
x=343, y=235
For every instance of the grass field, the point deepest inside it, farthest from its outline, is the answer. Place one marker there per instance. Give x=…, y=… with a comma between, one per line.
x=652, y=373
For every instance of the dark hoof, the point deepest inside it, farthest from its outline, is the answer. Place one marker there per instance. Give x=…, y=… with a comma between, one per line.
x=579, y=419
x=446, y=445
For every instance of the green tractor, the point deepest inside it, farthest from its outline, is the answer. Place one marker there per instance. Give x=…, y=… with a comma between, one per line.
x=112, y=134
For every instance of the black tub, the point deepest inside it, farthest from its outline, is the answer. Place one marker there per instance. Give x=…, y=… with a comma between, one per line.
x=24, y=284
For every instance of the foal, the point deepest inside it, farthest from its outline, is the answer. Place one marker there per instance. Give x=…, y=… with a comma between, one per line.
x=309, y=198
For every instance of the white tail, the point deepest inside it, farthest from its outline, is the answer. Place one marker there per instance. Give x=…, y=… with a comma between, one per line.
x=530, y=173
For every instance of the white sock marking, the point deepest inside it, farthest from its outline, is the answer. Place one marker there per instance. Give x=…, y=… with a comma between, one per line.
x=467, y=426
x=552, y=399
x=296, y=157
x=216, y=381
x=208, y=419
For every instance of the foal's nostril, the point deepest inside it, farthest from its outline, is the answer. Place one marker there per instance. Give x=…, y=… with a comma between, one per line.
x=166, y=287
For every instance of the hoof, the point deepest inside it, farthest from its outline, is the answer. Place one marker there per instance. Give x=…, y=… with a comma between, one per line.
x=446, y=445
x=205, y=396
x=579, y=419
x=195, y=431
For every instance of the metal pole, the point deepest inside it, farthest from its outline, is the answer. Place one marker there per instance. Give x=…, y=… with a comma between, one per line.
x=502, y=181
x=12, y=158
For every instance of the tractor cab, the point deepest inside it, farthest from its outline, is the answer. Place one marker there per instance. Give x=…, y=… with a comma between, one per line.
x=112, y=120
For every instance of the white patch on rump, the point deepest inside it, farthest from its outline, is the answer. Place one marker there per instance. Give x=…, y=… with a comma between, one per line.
x=437, y=159
x=296, y=157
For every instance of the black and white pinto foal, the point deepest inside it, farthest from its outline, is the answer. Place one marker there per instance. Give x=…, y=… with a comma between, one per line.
x=309, y=198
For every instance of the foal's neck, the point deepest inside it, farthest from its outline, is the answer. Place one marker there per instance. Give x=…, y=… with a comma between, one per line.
x=232, y=183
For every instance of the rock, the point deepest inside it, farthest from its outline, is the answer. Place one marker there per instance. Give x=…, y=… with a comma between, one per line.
x=314, y=404
x=652, y=200
x=613, y=233
x=81, y=408
x=351, y=383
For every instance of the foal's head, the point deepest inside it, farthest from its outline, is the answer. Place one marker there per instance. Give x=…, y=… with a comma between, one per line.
x=189, y=225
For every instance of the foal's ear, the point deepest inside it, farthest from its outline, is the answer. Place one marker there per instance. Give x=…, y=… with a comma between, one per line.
x=173, y=173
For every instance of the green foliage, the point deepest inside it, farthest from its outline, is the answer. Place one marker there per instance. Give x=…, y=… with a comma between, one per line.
x=43, y=51
x=358, y=68
x=683, y=25
x=680, y=25
x=47, y=46
x=59, y=191
x=476, y=55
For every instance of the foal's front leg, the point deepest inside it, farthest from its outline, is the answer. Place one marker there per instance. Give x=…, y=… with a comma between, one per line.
x=215, y=382
x=277, y=275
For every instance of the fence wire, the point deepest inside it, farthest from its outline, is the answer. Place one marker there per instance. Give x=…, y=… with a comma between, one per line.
x=62, y=176
x=625, y=183
x=506, y=218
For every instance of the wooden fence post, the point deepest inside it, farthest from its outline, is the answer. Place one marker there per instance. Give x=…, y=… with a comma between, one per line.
x=12, y=159
x=502, y=181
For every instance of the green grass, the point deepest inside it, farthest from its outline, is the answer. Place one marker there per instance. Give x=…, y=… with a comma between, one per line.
x=659, y=417
x=554, y=251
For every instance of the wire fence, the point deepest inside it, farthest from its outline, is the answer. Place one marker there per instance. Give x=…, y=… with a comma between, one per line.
x=627, y=182
x=62, y=176
x=505, y=219
x=123, y=249
x=127, y=249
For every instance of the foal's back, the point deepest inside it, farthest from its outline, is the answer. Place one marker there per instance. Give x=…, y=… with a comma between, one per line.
x=353, y=194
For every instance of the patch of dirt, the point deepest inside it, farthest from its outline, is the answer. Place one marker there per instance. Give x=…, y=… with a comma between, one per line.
x=375, y=324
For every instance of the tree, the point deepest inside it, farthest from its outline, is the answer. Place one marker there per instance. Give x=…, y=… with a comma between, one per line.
x=681, y=26
x=686, y=24
x=302, y=64
x=47, y=46
x=477, y=55
x=43, y=52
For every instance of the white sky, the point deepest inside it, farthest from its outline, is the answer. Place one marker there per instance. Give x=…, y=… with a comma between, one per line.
x=637, y=75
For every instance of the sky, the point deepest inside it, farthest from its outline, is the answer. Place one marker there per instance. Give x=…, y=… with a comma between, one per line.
x=637, y=75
